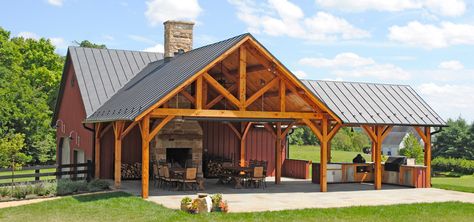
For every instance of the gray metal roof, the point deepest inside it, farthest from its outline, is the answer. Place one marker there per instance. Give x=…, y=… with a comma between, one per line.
x=369, y=103
x=157, y=80
x=102, y=72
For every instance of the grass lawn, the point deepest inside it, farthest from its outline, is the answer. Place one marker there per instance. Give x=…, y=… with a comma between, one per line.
x=312, y=153
x=27, y=178
x=119, y=206
x=464, y=183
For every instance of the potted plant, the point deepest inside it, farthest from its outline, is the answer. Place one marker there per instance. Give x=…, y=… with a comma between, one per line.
x=194, y=208
x=216, y=201
x=224, y=207
x=186, y=204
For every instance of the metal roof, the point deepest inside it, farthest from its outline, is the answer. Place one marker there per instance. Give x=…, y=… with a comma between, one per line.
x=157, y=80
x=369, y=103
x=101, y=73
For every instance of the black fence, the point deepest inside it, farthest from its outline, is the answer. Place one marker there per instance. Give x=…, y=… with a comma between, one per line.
x=77, y=171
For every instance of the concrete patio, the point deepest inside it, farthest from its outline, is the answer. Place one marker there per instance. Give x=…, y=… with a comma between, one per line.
x=299, y=194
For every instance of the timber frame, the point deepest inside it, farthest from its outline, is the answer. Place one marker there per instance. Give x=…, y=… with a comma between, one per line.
x=245, y=84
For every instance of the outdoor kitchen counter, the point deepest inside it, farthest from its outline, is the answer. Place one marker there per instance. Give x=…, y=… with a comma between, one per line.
x=412, y=176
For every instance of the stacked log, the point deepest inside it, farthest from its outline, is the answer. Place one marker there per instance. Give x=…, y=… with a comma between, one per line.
x=131, y=171
x=214, y=168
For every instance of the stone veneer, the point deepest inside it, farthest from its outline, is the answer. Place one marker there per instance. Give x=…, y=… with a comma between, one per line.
x=179, y=134
x=178, y=35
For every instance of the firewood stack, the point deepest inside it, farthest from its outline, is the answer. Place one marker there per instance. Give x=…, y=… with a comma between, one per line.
x=131, y=171
x=214, y=168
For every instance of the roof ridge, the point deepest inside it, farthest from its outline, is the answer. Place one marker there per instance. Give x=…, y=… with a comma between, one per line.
x=371, y=83
x=126, y=50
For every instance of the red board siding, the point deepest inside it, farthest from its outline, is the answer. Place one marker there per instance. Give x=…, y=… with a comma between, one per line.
x=296, y=169
x=220, y=141
x=71, y=113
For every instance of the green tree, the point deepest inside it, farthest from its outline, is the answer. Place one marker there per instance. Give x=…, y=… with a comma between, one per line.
x=296, y=138
x=30, y=73
x=412, y=148
x=10, y=151
x=455, y=141
x=88, y=44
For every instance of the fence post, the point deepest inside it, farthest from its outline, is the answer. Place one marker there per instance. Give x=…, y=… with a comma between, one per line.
x=58, y=172
x=90, y=169
x=37, y=177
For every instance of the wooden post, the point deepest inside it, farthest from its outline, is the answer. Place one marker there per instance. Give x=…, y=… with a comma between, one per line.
x=145, y=130
x=278, y=157
x=324, y=156
x=372, y=151
x=199, y=93
x=428, y=156
x=245, y=129
x=378, y=159
x=97, y=151
x=329, y=152
x=118, y=128
x=242, y=77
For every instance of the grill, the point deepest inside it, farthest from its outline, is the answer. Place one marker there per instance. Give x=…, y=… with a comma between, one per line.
x=393, y=163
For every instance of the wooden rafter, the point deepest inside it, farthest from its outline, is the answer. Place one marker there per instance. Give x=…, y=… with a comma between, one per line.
x=421, y=134
x=188, y=96
x=236, y=132
x=250, y=69
x=223, y=91
x=234, y=114
x=157, y=128
x=199, y=93
x=282, y=95
x=270, y=129
x=106, y=129
x=260, y=92
x=242, y=77
x=128, y=129
x=219, y=97
x=313, y=128
x=288, y=128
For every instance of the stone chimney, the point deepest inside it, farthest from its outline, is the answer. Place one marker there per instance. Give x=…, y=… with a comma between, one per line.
x=178, y=36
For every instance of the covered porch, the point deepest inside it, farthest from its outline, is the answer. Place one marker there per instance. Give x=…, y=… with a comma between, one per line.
x=238, y=83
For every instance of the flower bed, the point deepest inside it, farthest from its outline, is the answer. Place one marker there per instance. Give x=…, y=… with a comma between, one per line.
x=204, y=204
x=50, y=189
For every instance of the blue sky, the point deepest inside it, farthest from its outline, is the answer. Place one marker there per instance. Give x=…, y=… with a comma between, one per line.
x=428, y=44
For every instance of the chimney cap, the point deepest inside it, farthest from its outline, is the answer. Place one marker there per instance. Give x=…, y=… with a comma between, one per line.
x=178, y=22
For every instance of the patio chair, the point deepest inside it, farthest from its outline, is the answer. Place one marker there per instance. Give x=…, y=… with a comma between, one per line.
x=156, y=174
x=168, y=180
x=189, y=178
x=258, y=178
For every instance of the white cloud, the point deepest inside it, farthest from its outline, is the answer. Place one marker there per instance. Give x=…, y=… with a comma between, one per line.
x=440, y=7
x=55, y=2
x=432, y=36
x=156, y=48
x=352, y=65
x=450, y=100
x=451, y=65
x=59, y=42
x=159, y=11
x=347, y=59
x=283, y=18
x=300, y=74
x=28, y=35
x=108, y=37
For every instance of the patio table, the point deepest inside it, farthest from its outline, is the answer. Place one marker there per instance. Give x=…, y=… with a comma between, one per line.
x=238, y=174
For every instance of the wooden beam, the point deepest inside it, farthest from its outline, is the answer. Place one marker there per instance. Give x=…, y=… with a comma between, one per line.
x=118, y=129
x=421, y=134
x=282, y=95
x=324, y=155
x=242, y=77
x=157, y=128
x=193, y=78
x=288, y=128
x=425, y=135
x=160, y=112
x=313, y=128
x=386, y=131
x=205, y=94
x=270, y=129
x=106, y=129
x=145, y=130
x=242, y=143
x=188, y=96
x=370, y=132
x=97, y=150
x=377, y=134
x=236, y=132
x=216, y=85
x=261, y=91
x=220, y=97
x=128, y=129
x=334, y=130
x=199, y=93
x=278, y=149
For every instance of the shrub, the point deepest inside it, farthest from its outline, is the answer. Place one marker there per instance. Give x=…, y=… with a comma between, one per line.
x=453, y=165
x=67, y=186
x=98, y=185
x=44, y=188
x=216, y=200
x=4, y=191
x=21, y=191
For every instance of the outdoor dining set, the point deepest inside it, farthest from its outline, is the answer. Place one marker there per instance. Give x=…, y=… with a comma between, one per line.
x=172, y=177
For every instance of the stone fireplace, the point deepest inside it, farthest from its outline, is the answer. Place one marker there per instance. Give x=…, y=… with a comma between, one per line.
x=180, y=141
